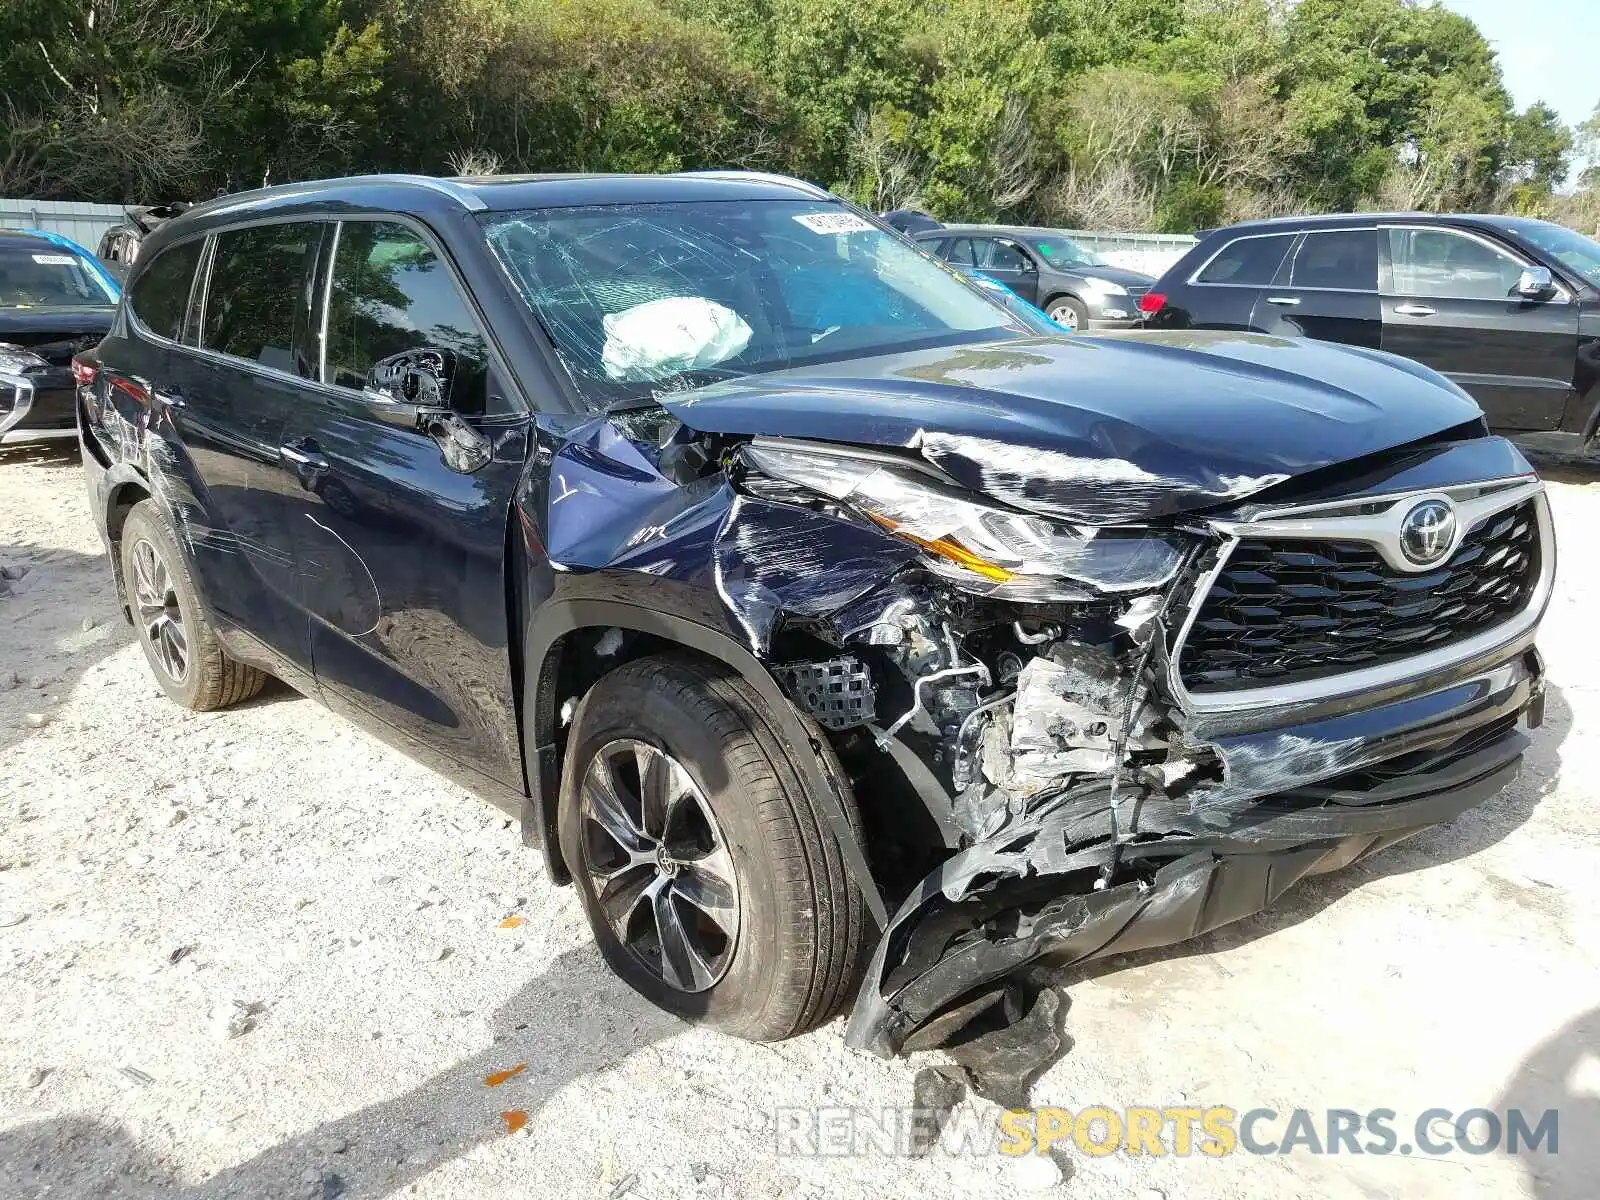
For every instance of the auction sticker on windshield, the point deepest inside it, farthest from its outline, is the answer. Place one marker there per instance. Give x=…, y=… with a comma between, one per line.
x=54, y=260
x=834, y=222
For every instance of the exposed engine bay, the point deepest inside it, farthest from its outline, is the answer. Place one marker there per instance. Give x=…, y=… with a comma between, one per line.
x=1009, y=664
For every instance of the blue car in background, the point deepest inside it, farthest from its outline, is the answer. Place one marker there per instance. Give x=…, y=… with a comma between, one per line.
x=55, y=300
x=1030, y=315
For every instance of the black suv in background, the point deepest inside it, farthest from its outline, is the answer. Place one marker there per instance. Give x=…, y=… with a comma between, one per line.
x=817, y=616
x=1506, y=307
x=1075, y=287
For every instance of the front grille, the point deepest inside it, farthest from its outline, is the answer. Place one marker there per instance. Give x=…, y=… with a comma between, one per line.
x=1288, y=610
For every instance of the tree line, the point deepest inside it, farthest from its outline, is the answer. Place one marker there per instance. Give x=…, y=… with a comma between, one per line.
x=1114, y=114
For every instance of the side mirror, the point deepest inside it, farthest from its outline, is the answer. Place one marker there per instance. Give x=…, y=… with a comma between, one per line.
x=420, y=378
x=1535, y=283
x=411, y=390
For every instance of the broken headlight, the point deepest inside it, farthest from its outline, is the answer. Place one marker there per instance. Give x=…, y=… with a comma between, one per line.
x=14, y=360
x=980, y=547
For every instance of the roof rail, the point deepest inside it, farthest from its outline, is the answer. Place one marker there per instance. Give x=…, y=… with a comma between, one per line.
x=463, y=196
x=760, y=177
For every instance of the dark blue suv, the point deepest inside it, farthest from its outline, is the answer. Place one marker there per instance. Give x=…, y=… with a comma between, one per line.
x=833, y=631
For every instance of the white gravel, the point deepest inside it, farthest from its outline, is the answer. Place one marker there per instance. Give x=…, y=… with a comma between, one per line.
x=258, y=953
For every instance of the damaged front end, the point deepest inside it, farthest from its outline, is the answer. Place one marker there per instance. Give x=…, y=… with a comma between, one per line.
x=1091, y=788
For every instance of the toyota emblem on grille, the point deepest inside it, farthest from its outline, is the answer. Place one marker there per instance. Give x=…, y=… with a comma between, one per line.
x=1428, y=532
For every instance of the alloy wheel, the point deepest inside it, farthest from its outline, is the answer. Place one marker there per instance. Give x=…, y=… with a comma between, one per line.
x=1066, y=315
x=160, y=619
x=659, y=865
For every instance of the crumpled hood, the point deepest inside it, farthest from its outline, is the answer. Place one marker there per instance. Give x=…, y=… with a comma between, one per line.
x=1103, y=430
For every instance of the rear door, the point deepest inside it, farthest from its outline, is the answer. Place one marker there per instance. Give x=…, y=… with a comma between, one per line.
x=253, y=326
x=1222, y=294
x=403, y=558
x=1003, y=259
x=1327, y=289
x=1450, y=301
x=197, y=392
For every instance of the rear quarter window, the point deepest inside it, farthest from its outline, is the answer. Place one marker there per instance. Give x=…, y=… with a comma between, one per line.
x=160, y=296
x=1249, y=261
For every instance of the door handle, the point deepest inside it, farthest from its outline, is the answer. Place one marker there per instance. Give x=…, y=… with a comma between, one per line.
x=300, y=454
x=308, y=463
x=1413, y=310
x=1291, y=301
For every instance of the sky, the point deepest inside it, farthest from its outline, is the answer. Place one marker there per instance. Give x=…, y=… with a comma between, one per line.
x=1545, y=49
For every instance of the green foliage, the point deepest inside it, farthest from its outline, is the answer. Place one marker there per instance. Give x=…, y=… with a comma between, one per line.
x=1166, y=114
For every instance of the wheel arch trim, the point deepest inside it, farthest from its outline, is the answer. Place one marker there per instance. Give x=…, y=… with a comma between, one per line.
x=557, y=618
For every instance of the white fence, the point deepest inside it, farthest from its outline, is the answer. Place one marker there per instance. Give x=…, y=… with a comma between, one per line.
x=83, y=223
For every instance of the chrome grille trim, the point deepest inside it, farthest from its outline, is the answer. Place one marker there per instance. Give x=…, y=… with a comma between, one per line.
x=1374, y=520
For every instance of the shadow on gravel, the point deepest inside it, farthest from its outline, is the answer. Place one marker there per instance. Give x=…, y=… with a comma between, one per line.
x=574, y=1020
x=999, y=1068
x=45, y=595
x=1550, y=1079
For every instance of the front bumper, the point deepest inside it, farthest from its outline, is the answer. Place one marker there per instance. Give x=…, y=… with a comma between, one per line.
x=37, y=407
x=1349, y=780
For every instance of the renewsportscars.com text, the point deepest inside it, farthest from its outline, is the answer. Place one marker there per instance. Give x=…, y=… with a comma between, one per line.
x=1181, y=1131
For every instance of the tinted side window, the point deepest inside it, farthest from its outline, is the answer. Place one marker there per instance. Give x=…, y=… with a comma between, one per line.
x=1435, y=262
x=1250, y=261
x=391, y=293
x=960, y=252
x=161, y=296
x=257, y=303
x=999, y=256
x=1345, y=259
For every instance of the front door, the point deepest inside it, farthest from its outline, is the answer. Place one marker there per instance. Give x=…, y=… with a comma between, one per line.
x=402, y=558
x=1005, y=260
x=1450, y=301
x=1328, y=289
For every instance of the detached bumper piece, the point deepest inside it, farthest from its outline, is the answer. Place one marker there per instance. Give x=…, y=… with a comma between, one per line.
x=1029, y=894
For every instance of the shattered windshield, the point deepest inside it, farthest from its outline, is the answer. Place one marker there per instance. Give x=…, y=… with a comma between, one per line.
x=46, y=277
x=645, y=298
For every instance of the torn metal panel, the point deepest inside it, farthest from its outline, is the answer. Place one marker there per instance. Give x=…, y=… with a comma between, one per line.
x=958, y=932
x=1102, y=490
x=1223, y=829
x=776, y=559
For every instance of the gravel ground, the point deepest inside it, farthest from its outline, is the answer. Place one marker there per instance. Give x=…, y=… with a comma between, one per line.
x=258, y=953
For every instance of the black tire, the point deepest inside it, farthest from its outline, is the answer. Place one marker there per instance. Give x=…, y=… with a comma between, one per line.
x=798, y=950
x=1060, y=307
x=210, y=679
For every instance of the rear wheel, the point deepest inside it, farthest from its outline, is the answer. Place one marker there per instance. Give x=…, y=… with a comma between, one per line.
x=712, y=884
x=1068, y=312
x=178, y=637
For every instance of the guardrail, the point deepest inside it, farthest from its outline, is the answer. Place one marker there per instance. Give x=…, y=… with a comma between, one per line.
x=1151, y=253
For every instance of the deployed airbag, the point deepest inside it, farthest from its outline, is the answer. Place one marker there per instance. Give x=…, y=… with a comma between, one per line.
x=661, y=338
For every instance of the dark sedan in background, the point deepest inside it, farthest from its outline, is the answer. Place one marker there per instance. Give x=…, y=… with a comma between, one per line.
x=54, y=301
x=1075, y=288
x=1507, y=307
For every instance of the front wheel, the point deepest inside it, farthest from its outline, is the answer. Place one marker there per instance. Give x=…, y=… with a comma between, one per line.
x=1068, y=313
x=712, y=883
